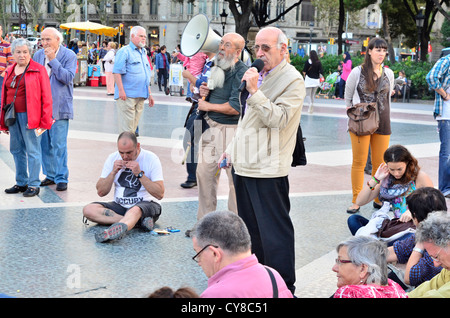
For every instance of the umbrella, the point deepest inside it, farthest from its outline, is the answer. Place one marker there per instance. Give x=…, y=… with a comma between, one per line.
x=92, y=27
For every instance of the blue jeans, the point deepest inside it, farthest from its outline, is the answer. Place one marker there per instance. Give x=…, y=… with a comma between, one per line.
x=26, y=150
x=444, y=156
x=54, y=152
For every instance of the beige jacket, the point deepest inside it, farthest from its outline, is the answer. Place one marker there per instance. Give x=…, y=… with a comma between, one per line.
x=265, y=138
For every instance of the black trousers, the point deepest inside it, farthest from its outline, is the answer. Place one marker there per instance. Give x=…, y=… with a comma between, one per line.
x=264, y=206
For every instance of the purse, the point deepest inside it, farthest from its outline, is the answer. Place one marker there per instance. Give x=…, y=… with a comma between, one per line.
x=364, y=118
x=10, y=112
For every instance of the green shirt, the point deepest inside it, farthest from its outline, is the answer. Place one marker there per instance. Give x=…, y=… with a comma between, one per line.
x=228, y=93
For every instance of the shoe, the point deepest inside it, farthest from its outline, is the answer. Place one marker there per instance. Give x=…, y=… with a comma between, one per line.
x=160, y=90
x=148, y=224
x=188, y=184
x=115, y=232
x=31, y=192
x=447, y=196
x=47, y=182
x=16, y=189
x=189, y=99
x=61, y=186
x=353, y=211
x=376, y=205
x=188, y=233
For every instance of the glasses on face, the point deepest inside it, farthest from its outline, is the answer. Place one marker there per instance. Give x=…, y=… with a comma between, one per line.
x=227, y=45
x=342, y=261
x=195, y=258
x=13, y=83
x=436, y=258
x=263, y=47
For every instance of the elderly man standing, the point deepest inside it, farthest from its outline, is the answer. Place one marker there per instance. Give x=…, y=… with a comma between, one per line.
x=222, y=115
x=61, y=65
x=261, y=153
x=132, y=75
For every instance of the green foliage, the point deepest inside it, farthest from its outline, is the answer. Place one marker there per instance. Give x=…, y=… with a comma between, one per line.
x=415, y=71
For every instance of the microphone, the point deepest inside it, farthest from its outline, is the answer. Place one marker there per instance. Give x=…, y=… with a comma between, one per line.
x=259, y=65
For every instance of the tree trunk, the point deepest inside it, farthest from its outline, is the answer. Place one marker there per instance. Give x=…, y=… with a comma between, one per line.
x=341, y=25
x=387, y=37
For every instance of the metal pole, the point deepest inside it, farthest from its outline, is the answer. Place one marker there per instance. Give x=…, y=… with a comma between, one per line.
x=85, y=10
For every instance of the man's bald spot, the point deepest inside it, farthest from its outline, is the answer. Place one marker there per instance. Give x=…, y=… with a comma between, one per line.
x=237, y=40
x=126, y=136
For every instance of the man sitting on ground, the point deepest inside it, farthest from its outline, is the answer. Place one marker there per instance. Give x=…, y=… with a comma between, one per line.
x=138, y=181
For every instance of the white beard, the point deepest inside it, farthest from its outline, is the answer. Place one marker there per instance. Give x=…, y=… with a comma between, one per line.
x=217, y=77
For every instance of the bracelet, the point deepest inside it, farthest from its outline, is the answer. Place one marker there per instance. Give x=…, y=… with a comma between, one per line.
x=418, y=250
x=370, y=187
x=376, y=180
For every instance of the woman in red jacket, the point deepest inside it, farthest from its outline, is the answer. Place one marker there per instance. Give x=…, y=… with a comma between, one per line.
x=27, y=85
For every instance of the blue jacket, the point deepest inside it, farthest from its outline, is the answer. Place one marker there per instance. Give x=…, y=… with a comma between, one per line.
x=63, y=68
x=159, y=62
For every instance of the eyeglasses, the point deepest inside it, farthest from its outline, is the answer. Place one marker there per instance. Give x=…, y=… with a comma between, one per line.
x=13, y=83
x=436, y=258
x=264, y=47
x=195, y=258
x=342, y=261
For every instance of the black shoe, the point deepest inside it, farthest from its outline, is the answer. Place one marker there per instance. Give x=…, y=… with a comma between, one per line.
x=352, y=211
x=16, y=189
x=47, y=182
x=188, y=233
x=188, y=184
x=61, y=186
x=189, y=99
x=376, y=205
x=31, y=192
x=115, y=232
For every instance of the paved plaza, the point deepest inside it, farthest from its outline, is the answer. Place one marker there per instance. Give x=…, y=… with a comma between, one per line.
x=47, y=251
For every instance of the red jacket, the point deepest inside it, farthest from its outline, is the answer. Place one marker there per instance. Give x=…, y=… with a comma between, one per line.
x=38, y=96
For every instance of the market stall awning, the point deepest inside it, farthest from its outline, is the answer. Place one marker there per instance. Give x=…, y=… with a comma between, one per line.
x=92, y=27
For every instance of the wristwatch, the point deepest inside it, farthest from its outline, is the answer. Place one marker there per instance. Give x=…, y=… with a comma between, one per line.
x=418, y=250
x=140, y=175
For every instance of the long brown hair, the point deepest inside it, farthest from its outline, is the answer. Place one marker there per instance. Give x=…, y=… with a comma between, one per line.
x=398, y=153
x=367, y=66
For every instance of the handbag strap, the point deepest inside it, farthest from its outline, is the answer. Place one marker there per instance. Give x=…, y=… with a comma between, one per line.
x=18, y=83
x=274, y=283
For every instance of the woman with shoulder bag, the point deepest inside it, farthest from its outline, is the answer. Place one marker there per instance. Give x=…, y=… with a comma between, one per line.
x=109, y=65
x=312, y=72
x=363, y=86
x=27, y=87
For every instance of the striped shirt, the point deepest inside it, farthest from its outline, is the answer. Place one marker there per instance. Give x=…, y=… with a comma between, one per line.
x=6, y=58
x=439, y=77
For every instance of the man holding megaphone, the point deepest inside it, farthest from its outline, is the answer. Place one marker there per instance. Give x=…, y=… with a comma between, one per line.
x=261, y=152
x=220, y=103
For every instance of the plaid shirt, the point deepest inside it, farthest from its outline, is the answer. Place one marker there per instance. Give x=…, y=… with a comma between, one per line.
x=6, y=58
x=439, y=77
x=424, y=270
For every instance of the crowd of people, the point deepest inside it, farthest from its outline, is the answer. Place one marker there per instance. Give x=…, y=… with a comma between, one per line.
x=247, y=251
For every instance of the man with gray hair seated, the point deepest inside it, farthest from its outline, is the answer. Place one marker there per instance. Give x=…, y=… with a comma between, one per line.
x=434, y=234
x=222, y=243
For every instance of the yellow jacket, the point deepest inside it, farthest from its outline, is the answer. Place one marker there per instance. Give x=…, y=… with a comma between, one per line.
x=437, y=287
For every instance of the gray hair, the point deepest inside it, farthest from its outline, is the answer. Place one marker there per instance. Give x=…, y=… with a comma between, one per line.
x=21, y=42
x=135, y=29
x=224, y=229
x=435, y=229
x=370, y=252
x=57, y=34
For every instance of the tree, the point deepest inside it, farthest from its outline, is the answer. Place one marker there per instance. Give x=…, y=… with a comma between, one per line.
x=34, y=9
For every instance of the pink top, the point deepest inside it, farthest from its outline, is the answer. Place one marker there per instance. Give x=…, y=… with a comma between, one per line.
x=246, y=278
x=195, y=63
x=392, y=290
x=346, y=69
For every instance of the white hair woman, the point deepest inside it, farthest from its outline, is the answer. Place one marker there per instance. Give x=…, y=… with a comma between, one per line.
x=26, y=88
x=361, y=269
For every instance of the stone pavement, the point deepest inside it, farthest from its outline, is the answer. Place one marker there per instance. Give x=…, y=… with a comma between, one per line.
x=46, y=250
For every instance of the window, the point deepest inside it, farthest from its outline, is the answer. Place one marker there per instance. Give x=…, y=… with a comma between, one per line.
x=307, y=11
x=202, y=6
x=281, y=7
x=153, y=7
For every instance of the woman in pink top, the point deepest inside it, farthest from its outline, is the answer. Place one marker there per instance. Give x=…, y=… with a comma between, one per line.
x=362, y=272
x=223, y=246
x=346, y=69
